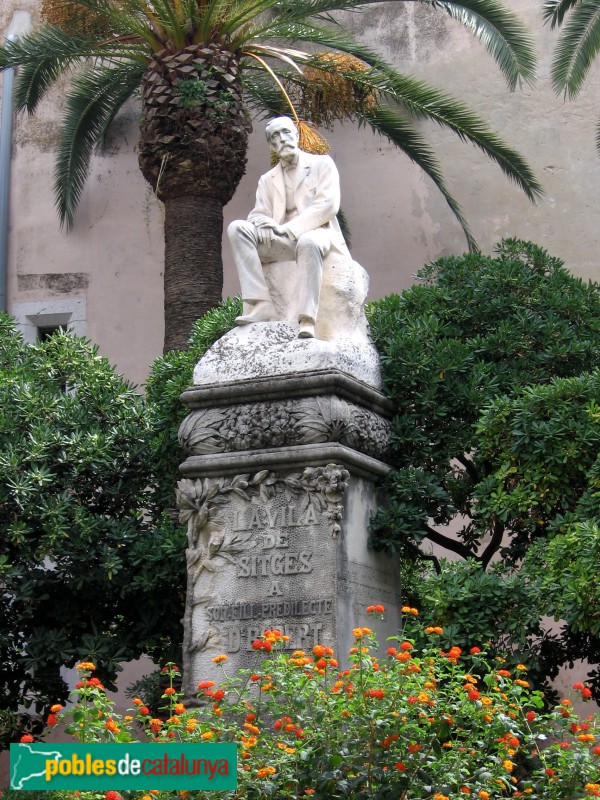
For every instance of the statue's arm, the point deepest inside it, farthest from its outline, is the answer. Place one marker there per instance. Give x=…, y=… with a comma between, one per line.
x=326, y=201
x=262, y=213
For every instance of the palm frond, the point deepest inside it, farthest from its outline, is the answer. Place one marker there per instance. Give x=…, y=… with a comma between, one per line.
x=500, y=32
x=554, y=11
x=42, y=56
x=263, y=98
x=577, y=46
x=127, y=18
x=95, y=97
x=397, y=130
x=425, y=101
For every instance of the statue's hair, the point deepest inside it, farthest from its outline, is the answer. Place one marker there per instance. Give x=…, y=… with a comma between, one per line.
x=277, y=121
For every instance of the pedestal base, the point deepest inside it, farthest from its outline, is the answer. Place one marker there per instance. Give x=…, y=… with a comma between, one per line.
x=277, y=536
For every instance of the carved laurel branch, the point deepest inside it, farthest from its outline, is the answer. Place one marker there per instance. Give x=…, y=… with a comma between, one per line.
x=251, y=426
x=200, y=500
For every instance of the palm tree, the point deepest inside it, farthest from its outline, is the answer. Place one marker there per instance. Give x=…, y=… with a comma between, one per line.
x=202, y=67
x=577, y=46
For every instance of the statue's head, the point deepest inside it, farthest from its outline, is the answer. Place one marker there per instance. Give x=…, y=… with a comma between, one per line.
x=283, y=136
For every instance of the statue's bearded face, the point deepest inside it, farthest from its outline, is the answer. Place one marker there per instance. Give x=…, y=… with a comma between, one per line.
x=283, y=139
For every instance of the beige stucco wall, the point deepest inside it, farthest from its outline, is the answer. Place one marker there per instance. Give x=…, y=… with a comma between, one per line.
x=398, y=219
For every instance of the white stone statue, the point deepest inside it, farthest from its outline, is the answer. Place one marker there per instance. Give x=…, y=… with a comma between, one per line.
x=294, y=221
x=303, y=294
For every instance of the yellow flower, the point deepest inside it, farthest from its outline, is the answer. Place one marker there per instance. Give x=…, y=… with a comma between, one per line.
x=508, y=765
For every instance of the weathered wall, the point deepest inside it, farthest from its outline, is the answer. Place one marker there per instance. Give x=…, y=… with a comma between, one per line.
x=113, y=256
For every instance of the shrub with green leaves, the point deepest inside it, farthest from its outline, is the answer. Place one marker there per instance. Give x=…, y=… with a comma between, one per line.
x=495, y=437
x=413, y=722
x=80, y=567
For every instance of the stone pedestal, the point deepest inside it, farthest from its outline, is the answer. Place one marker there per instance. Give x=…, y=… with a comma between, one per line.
x=278, y=492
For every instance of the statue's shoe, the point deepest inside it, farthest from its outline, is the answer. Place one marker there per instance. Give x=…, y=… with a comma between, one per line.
x=307, y=329
x=263, y=311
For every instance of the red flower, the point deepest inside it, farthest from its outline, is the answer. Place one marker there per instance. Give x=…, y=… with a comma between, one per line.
x=206, y=684
x=578, y=686
x=475, y=650
x=219, y=694
x=112, y=796
x=144, y=710
x=392, y=651
x=414, y=748
x=26, y=738
x=596, y=751
x=378, y=609
x=321, y=663
x=376, y=693
x=473, y=694
x=170, y=690
x=52, y=720
x=530, y=716
x=586, y=693
x=399, y=765
x=254, y=678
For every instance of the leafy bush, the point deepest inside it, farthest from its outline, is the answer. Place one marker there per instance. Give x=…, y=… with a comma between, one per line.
x=413, y=723
x=92, y=558
x=492, y=364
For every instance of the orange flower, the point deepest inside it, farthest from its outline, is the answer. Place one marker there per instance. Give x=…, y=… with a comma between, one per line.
x=207, y=735
x=251, y=728
x=206, y=684
x=434, y=629
x=111, y=726
x=483, y=795
x=85, y=665
x=170, y=690
x=264, y=772
x=378, y=609
x=55, y=708
x=409, y=610
x=220, y=658
x=179, y=708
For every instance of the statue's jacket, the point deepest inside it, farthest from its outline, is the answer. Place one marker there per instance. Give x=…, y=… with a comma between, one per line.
x=317, y=197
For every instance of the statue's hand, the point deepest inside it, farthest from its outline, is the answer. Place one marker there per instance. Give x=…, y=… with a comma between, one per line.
x=267, y=229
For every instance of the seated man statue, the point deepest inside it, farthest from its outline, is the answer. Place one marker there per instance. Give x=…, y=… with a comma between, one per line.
x=294, y=219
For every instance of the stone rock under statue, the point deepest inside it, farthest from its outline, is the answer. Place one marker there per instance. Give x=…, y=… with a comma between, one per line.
x=287, y=435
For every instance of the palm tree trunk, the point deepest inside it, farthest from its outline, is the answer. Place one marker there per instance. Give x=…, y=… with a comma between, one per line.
x=193, y=264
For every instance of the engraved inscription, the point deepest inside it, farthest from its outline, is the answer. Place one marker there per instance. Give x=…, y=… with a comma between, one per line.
x=267, y=610
x=302, y=635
